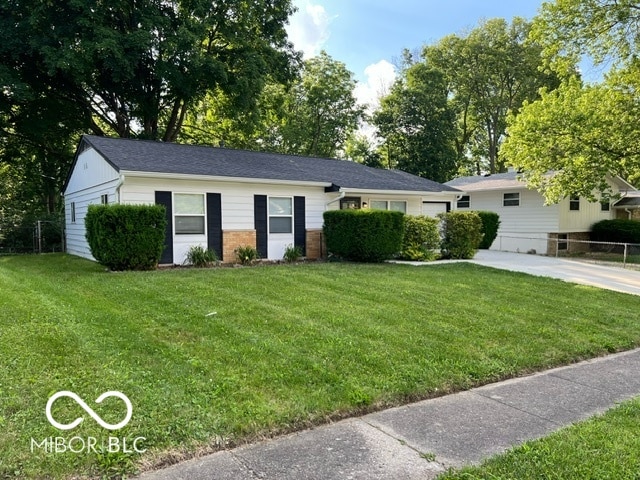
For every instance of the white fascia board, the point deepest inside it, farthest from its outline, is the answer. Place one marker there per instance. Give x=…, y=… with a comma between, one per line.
x=363, y=191
x=214, y=178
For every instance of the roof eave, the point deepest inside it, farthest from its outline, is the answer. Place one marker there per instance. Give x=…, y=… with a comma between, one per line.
x=220, y=178
x=421, y=193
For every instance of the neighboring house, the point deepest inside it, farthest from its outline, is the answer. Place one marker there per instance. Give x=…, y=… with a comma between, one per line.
x=526, y=222
x=223, y=198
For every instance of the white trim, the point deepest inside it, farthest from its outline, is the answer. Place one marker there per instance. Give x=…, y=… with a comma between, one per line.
x=373, y=191
x=185, y=176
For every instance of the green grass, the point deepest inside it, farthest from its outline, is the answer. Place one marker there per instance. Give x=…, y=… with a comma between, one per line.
x=605, y=447
x=289, y=346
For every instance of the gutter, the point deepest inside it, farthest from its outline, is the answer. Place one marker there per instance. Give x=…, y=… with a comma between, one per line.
x=118, y=185
x=338, y=198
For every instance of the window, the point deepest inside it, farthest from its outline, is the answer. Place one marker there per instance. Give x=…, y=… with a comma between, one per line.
x=394, y=205
x=563, y=241
x=188, y=213
x=464, y=202
x=73, y=212
x=605, y=206
x=511, y=200
x=350, y=203
x=574, y=202
x=280, y=215
x=104, y=199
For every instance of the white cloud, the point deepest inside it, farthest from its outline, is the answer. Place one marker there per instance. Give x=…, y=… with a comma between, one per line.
x=380, y=77
x=308, y=28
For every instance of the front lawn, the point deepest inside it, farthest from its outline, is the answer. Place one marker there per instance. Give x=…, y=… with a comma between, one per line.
x=604, y=447
x=210, y=358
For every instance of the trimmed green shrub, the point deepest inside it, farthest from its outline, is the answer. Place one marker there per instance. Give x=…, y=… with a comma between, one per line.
x=364, y=235
x=421, y=238
x=126, y=237
x=201, y=257
x=619, y=230
x=490, y=225
x=461, y=234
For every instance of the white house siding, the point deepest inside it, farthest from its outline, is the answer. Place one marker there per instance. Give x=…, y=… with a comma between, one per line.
x=91, y=178
x=581, y=220
x=237, y=206
x=522, y=228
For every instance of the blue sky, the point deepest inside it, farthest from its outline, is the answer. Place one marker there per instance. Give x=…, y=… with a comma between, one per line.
x=367, y=35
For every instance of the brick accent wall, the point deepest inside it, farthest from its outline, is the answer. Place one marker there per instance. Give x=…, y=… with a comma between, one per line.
x=316, y=247
x=232, y=239
x=572, y=247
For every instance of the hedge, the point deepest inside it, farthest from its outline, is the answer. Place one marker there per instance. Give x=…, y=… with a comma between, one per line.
x=363, y=235
x=461, y=234
x=619, y=230
x=421, y=238
x=490, y=225
x=126, y=237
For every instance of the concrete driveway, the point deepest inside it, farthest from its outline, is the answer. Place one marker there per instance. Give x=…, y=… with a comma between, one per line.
x=612, y=278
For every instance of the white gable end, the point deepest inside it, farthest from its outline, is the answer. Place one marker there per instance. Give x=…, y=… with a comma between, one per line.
x=90, y=170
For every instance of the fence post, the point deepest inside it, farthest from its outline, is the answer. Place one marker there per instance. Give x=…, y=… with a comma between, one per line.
x=39, y=235
x=624, y=261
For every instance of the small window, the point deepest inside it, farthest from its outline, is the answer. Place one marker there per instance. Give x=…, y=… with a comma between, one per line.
x=189, y=213
x=511, y=200
x=464, y=202
x=350, y=203
x=104, y=199
x=574, y=202
x=398, y=206
x=280, y=215
x=605, y=206
x=563, y=241
x=73, y=212
x=393, y=205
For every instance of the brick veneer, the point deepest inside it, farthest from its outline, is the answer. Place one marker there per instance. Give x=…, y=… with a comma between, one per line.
x=232, y=239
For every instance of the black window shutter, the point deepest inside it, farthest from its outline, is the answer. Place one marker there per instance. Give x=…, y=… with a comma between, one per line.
x=164, y=198
x=261, y=224
x=299, y=224
x=214, y=223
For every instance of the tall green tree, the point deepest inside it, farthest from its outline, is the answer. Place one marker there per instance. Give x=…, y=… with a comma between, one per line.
x=134, y=68
x=417, y=125
x=583, y=132
x=490, y=72
x=313, y=115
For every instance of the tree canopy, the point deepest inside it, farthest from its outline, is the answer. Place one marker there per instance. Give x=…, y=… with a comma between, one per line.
x=584, y=132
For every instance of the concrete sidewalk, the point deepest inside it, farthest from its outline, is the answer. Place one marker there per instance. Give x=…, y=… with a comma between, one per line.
x=421, y=440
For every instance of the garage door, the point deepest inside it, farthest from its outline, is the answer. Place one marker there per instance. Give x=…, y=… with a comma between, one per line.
x=431, y=209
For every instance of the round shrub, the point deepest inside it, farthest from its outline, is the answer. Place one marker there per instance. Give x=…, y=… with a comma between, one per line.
x=126, y=237
x=364, y=235
x=421, y=238
x=618, y=230
x=461, y=234
x=490, y=225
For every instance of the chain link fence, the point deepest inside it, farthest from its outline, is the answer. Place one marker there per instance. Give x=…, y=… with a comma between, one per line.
x=625, y=255
x=44, y=235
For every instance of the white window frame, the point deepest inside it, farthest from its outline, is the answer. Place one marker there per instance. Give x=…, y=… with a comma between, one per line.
x=388, y=205
x=463, y=201
x=574, y=203
x=104, y=199
x=270, y=215
x=514, y=200
x=203, y=215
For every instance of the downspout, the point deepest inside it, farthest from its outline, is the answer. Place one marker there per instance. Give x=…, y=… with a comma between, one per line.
x=629, y=214
x=338, y=198
x=118, y=185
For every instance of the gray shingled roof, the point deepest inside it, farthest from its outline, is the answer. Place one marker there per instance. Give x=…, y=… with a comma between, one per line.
x=496, y=181
x=158, y=157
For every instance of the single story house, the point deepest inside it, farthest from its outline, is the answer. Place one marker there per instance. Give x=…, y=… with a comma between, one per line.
x=223, y=198
x=527, y=223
